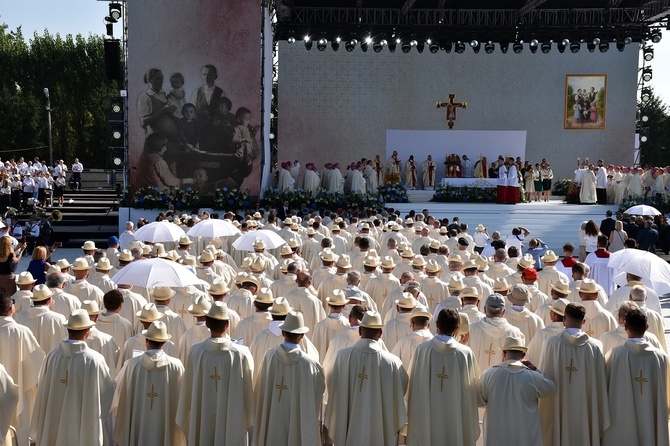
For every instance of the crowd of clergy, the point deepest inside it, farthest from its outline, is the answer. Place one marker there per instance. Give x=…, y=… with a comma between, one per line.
x=380, y=331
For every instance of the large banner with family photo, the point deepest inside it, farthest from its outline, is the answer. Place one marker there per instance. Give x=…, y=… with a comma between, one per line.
x=194, y=94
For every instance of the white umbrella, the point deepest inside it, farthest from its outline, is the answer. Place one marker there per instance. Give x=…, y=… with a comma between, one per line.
x=153, y=272
x=246, y=242
x=158, y=232
x=654, y=271
x=642, y=209
x=213, y=227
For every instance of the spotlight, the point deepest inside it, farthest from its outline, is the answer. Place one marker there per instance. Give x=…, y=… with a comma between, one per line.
x=656, y=36
x=646, y=74
x=646, y=95
x=575, y=47
x=392, y=45
x=335, y=44
x=413, y=42
x=308, y=43
x=596, y=41
x=620, y=46
x=648, y=54
x=406, y=47
x=561, y=46
x=377, y=47
x=322, y=44
x=350, y=45
x=291, y=40
x=644, y=134
x=644, y=114
x=533, y=48
x=433, y=47
x=591, y=47
x=534, y=42
x=420, y=46
x=628, y=40
x=459, y=47
x=504, y=45
x=565, y=42
x=489, y=47
x=545, y=47
x=447, y=47
x=517, y=47
x=115, y=11
x=603, y=47
x=474, y=43
x=476, y=48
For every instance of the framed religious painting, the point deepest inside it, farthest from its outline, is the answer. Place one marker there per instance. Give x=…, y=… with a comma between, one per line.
x=585, y=102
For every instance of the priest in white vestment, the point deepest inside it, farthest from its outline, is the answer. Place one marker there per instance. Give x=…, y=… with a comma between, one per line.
x=442, y=395
x=578, y=413
x=521, y=317
x=618, y=336
x=146, y=399
x=638, y=380
x=198, y=331
x=598, y=320
x=22, y=356
x=285, y=180
x=549, y=273
x=216, y=404
x=334, y=324
x=9, y=400
x=301, y=299
x=399, y=327
x=366, y=390
x=289, y=391
x=311, y=179
x=420, y=324
x=99, y=341
x=428, y=173
x=587, y=193
x=111, y=322
x=510, y=392
x=258, y=321
x=74, y=393
x=46, y=325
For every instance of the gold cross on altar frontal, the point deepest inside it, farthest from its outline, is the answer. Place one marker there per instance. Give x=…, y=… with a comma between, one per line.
x=362, y=377
x=641, y=380
x=65, y=380
x=442, y=376
x=216, y=378
x=281, y=387
x=451, y=107
x=152, y=395
x=570, y=369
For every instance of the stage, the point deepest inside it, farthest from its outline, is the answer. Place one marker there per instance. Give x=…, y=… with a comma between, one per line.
x=554, y=222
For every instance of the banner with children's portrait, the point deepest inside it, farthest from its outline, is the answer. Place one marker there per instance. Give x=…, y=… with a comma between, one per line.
x=585, y=101
x=194, y=101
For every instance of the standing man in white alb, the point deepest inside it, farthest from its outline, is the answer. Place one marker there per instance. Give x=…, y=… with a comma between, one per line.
x=77, y=169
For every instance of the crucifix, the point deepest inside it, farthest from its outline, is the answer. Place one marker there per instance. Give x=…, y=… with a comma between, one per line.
x=641, y=380
x=442, y=376
x=216, y=378
x=152, y=395
x=362, y=376
x=570, y=369
x=281, y=387
x=490, y=351
x=451, y=107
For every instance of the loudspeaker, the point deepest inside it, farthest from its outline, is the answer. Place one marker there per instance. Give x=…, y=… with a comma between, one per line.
x=113, y=59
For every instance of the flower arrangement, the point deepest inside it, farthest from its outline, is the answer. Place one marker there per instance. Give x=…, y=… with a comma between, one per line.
x=660, y=202
x=175, y=198
x=231, y=199
x=562, y=186
x=393, y=193
x=478, y=192
x=302, y=199
x=572, y=195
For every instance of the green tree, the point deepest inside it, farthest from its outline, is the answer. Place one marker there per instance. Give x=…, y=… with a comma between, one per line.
x=655, y=150
x=73, y=69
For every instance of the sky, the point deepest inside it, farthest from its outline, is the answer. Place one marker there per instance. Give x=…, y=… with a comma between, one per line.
x=87, y=17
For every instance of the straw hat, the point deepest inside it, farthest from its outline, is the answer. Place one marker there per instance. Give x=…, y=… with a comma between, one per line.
x=495, y=301
x=257, y=215
x=126, y=256
x=327, y=255
x=409, y=221
x=80, y=264
x=104, y=265
x=259, y=244
x=433, y=266
x=295, y=227
x=371, y=261
x=199, y=307
x=372, y=319
x=456, y=283
x=218, y=288
x=343, y=261
x=251, y=279
x=514, y=343
x=206, y=257
x=79, y=320
x=365, y=226
x=280, y=307
x=444, y=230
x=294, y=323
x=89, y=245
x=337, y=298
x=501, y=284
x=588, y=286
x=172, y=255
x=311, y=231
x=435, y=244
x=549, y=256
x=149, y=313
x=158, y=251
x=189, y=260
x=264, y=296
x=91, y=307
x=184, y=240
x=53, y=269
x=558, y=306
x=407, y=253
x=406, y=301
x=294, y=243
x=519, y=295
x=162, y=293
x=218, y=310
x=146, y=251
x=420, y=311
x=286, y=250
x=455, y=258
x=41, y=292
x=258, y=265
x=480, y=228
x=283, y=266
x=388, y=262
x=561, y=285
x=470, y=291
x=25, y=278
x=157, y=332
x=470, y=264
x=418, y=260
x=63, y=264
x=482, y=263
x=288, y=221
x=526, y=261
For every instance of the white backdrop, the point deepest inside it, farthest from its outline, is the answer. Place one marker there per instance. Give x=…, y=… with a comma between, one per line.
x=440, y=143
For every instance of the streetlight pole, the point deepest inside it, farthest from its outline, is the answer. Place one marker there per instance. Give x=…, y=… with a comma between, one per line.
x=48, y=108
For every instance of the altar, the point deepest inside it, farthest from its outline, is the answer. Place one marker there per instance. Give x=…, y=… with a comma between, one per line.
x=470, y=182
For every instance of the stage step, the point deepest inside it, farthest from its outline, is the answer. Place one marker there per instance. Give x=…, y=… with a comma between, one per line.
x=554, y=222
